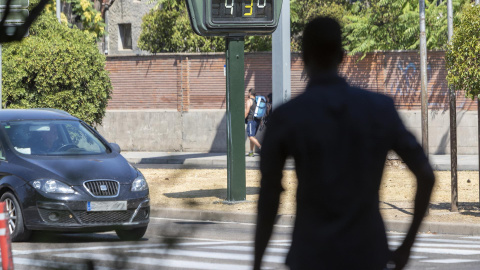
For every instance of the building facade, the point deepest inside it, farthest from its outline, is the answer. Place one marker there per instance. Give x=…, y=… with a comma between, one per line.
x=124, y=25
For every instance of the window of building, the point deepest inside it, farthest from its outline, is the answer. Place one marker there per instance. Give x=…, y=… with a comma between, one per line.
x=125, y=38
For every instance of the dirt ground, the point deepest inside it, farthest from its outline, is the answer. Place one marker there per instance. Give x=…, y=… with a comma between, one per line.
x=205, y=189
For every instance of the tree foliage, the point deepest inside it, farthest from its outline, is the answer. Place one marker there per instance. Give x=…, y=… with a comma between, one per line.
x=91, y=19
x=166, y=28
x=301, y=12
x=463, y=63
x=368, y=26
x=56, y=67
x=394, y=25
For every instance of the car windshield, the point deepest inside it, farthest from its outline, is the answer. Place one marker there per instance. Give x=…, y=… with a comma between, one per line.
x=52, y=138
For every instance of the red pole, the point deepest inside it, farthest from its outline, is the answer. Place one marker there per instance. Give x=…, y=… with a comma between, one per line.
x=5, y=244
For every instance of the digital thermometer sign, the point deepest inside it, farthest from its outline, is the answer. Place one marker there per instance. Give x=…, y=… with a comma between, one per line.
x=234, y=17
x=241, y=11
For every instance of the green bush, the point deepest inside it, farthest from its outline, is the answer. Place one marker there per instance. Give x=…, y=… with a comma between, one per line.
x=56, y=67
x=462, y=60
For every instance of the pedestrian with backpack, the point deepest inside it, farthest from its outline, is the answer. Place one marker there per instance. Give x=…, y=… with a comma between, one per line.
x=251, y=106
x=268, y=112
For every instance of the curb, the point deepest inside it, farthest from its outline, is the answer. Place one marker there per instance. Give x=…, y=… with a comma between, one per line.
x=203, y=163
x=288, y=220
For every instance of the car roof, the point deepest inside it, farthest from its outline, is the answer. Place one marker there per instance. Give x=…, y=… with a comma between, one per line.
x=34, y=114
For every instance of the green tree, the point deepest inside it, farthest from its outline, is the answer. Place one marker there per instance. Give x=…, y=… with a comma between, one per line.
x=166, y=28
x=56, y=67
x=91, y=19
x=463, y=63
x=301, y=12
x=394, y=25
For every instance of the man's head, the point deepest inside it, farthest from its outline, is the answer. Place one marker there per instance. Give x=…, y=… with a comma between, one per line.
x=322, y=45
x=251, y=92
x=50, y=136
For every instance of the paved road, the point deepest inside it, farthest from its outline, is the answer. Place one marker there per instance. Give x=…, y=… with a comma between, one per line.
x=192, y=244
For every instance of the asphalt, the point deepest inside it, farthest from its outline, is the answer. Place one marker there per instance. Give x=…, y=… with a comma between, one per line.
x=219, y=160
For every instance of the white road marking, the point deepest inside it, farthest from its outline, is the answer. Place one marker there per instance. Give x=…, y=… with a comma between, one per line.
x=247, y=249
x=159, y=262
x=216, y=222
x=449, y=261
x=452, y=241
x=446, y=251
x=446, y=245
x=54, y=265
x=471, y=237
x=26, y=252
x=211, y=255
x=418, y=257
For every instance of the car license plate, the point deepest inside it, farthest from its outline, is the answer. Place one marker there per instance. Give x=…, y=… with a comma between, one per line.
x=107, y=206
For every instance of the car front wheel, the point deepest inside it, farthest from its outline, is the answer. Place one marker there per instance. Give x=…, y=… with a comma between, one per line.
x=131, y=234
x=18, y=231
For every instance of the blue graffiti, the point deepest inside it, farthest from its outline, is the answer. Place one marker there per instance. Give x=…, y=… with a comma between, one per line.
x=405, y=84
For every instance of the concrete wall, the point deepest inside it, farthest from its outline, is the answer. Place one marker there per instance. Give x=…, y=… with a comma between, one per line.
x=205, y=130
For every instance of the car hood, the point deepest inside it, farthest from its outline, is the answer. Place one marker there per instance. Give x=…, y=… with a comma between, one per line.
x=75, y=170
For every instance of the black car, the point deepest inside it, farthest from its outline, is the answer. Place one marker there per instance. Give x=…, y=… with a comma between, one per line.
x=57, y=173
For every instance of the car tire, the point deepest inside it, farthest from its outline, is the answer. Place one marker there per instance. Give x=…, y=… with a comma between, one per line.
x=18, y=231
x=131, y=234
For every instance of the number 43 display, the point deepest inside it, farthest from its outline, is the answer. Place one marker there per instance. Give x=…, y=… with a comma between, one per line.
x=234, y=17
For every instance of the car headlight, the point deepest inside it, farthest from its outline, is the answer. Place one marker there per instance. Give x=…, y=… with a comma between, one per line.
x=52, y=186
x=139, y=184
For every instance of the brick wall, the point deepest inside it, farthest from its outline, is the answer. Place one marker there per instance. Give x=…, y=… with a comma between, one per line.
x=196, y=81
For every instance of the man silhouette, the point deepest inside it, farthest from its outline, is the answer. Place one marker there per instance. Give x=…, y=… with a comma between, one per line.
x=339, y=137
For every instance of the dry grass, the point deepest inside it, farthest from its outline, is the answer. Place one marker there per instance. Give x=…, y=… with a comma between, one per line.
x=205, y=189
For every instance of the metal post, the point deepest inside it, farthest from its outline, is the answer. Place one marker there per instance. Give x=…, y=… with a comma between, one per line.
x=58, y=10
x=236, y=183
x=424, y=81
x=478, y=125
x=281, y=78
x=477, y=2
x=453, y=122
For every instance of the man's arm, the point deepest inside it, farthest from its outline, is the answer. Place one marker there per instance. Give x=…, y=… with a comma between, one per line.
x=248, y=104
x=413, y=155
x=272, y=161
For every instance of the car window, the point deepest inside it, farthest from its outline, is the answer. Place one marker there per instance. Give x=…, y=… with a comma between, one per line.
x=52, y=138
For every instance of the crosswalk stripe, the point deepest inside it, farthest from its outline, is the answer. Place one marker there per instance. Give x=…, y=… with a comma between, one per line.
x=423, y=244
x=448, y=261
x=471, y=237
x=446, y=251
x=53, y=265
x=452, y=241
x=26, y=252
x=247, y=249
x=159, y=262
x=211, y=255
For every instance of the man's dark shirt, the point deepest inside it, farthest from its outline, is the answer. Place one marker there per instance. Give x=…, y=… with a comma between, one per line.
x=339, y=137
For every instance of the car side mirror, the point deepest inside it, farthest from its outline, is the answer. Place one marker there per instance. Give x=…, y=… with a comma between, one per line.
x=115, y=147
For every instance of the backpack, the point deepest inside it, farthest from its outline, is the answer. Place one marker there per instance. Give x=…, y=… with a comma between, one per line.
x=261, y=107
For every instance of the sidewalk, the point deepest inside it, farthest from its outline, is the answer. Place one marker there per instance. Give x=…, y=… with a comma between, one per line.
x=199, y=160
x=397, y=214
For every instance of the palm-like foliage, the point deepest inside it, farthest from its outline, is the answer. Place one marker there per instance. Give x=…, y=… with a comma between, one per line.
x=394, y=25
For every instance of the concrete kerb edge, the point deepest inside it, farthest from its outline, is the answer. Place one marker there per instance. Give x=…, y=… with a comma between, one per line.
x=289, y=220
x=216, y=216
